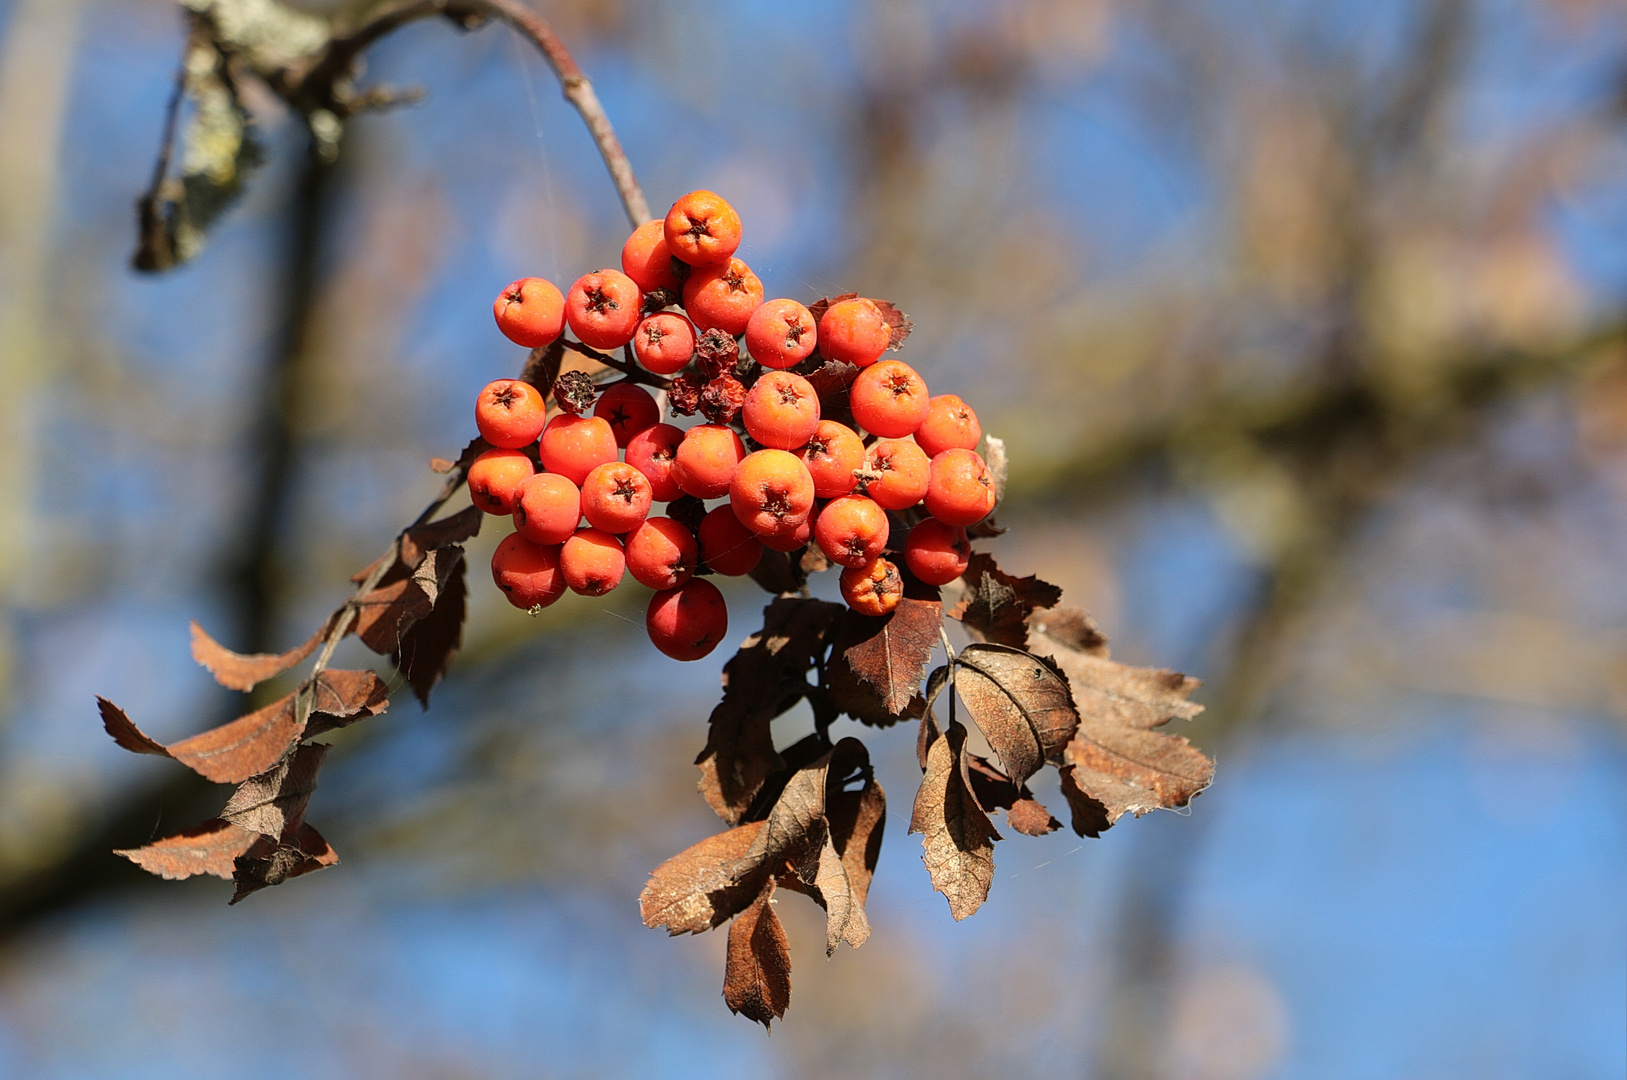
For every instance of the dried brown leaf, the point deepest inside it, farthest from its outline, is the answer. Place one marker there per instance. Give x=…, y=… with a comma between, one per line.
x=340, y=698
x=1133, y=771
x=251, y=744
x=695, y=890
x=1021, y=705
x=1089, y=817
x=891, y=652
x=1029, y=817
x=896, y=321
x=384, y=615
x=117, y=723
x=997, y=605
x=1102, y=689
x=795, y=829
x=209, y=848
x=993, y=790
x=273, y=803
x=447, y=532
x=957, y=837
x=427, y=648
x=757, y=974
x=855, y=820
x=270, y=862
x=240, y=671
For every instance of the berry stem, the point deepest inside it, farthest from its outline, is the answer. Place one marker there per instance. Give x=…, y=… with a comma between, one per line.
x=632, y=371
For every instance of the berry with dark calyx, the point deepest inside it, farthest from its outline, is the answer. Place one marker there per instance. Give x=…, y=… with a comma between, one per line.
x=702, y=229
x=616, y=497
x=722, y=399
x=723, y=296
x=684, y=393
x=851, y=530
x=592, y=562
x=495, y=478
x=727, y=547
x=646, y=259
x=780, y=334
x=874, y=588
x=661, y=553
x=574, y=392
x=603, y=309
x=547, y=509
x=900, y=470
x=510, y=413
x=574, y=446
x=950, y=424
x=717, y=352
x=960, y=490
x=781, y=411
x=686, y=623
x=628, y=408
x=771, y=492
x=530, y=312
x=651, y=452
x=854, y=332
x=833, y=454
x=706, y=460
x=527, y=573
x=889, y=399
x=937, y=553
x=664, y=343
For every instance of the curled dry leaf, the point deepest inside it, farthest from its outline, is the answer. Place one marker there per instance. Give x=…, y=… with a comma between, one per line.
x=384, y=615
x=209, y=848
x=271, y=862
x=340, y=698
x=1102, y=689
x=957, y=837
x=757, y=974
x=697, y=889
x=273, y=803
x=890, y=652
x=427, y=648
x=898, y=322
x=244, y=671
x=1029, y=817
x=996, y=605
x=993, y=790
x=1021, y=705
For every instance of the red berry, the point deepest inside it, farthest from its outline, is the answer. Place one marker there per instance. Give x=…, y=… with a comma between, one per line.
x=937, y=553
x=889, y=399
x=771, y=492
x=530, y=312
x=950, y=424
x=495, y=479
x=592, y=562
x=781, y=411
x=702, y=229
x=661, y=553
x=872, y=589
x=960, y=490
x=664, y=343
x=527, y=573
x=651, y=452
x=727, y=546
x=628, y=408
x=616, y=497
x=574, y=446
x=791, y=538
x=723, y=296
x=851, y=530
x=904, y=472
x=645, y=258
x=832, y=455
x=603, y=309
x=780, y=334
x=509, y=413
x=706, y=460
x=547, y=509
x=854, y=332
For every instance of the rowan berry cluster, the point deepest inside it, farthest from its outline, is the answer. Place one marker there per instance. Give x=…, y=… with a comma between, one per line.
x=809, y=435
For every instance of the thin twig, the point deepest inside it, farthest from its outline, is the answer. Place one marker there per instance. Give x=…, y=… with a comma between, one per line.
x=632, y=371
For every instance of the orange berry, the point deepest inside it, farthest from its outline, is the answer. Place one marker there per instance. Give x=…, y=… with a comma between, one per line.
x=950, y=424
x=664, y=343
x=781, y=411
x=851, y=530
x=616, y=497
x=889, y=399
x=530, y=312
x=853, y=332
x=723, y=296
x=872, y=589
x=702, y=229
x=771, y=492
x=780, y=334
x=574, y=446
x=651, y=452
x=904, y=470
x=592, y=562
x=603, y=309
x=960, y=489
x=832, y=455
x=727, y=546
x=661, y=553
x=937, y=553
x=789, y=539
x=645, y=258
x=628, y=408
x=706, y=460
x=686, y=623
x=495, y=478
x=527, y=573
x=509, y=413
x=547, y=509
